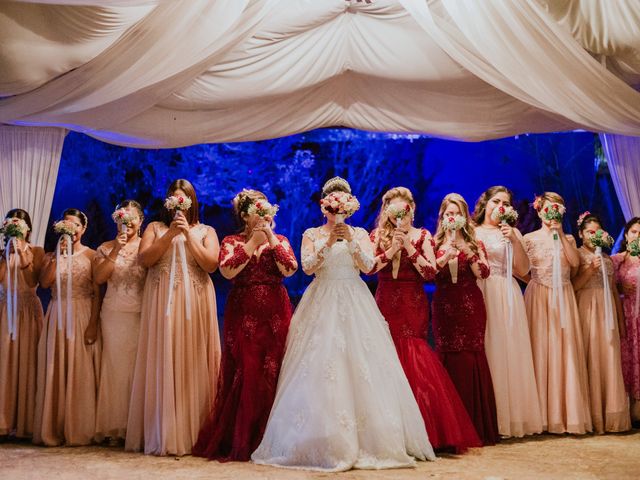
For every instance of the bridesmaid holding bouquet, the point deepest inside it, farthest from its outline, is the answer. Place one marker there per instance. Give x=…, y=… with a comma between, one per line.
x=600, y=313
x=404, y=261
x=20, y=325
x=256, y=323
x=459, y=314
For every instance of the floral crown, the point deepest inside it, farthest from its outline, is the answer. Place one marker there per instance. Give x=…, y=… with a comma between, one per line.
x=336, y=181
x=582, y=216
x=243, y=200
x=538, y=202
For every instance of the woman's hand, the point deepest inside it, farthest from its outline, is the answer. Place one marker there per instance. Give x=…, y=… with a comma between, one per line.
x=596, y=263
x=121, y=241
x=181, y=223
x=264, y=227
x=556, y=225
x=397, y=241
x=508, y=232
x=343, y=231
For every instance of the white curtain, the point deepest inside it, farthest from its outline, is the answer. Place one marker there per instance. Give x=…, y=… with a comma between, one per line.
x=623, y=157
x=29, y=161
x=172, y=73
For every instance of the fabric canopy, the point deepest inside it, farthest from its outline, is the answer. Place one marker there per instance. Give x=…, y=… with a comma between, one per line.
x=173, y=73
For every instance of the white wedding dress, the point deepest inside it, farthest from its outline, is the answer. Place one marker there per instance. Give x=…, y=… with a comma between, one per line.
x=342, y=400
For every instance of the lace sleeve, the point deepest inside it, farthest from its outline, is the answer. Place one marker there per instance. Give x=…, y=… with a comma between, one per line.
x=482, y=261
x=312, y=253
x=284, y=257
x=233, y=256
x=381, y=260
x=361, y=250
x=420, y=260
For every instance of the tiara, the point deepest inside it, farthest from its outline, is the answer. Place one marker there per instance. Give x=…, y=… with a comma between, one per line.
x=336, y=181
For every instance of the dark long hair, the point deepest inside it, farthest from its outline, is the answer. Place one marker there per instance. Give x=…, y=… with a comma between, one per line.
x=22, y=215
x=627, y=227
x=480, y=209
x=79, y=214
x=193, y=215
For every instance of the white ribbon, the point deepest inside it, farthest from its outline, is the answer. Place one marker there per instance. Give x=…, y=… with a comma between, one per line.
x=558, y=297
x=509, y=260
x=180, y=247
x=12, y=297
x=608, y=304
x=69, y=312
x=453, y=263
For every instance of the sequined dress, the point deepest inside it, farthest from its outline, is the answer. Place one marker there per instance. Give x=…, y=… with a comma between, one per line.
x=256, y=322
x=459, y=323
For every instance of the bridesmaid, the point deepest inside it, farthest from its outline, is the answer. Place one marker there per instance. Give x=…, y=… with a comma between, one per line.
x=609, y=404
x=256, y=322
x=116, y=264
x=67, y=354
x=404, y=261
x=507, y=339
x=558, y=352
x=459, y=316
x=628, y=278
x=18, y=352
x=178, y=357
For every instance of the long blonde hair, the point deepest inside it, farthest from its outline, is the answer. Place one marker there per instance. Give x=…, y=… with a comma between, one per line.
x=468, y=231
x=385, y=227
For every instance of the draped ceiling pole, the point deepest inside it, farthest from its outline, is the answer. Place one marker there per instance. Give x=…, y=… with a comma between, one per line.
x=29, y=161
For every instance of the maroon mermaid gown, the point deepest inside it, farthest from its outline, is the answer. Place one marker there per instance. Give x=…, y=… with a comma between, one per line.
x=404, y=305
x=459, y=319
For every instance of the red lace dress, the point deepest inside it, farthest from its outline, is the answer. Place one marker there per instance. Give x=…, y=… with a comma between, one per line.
x=404, y=304
x=459, y=320
x=256, y=323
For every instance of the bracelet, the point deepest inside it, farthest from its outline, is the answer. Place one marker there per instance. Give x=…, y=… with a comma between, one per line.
x=26, y=266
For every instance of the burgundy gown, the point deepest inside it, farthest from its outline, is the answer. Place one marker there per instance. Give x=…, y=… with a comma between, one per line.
x=404, y=304
x=256, y=323
x=459, y=320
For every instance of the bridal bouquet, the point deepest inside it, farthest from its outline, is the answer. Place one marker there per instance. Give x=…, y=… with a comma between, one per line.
x=340, y=203
x=65, y=227
x=177, y=202
x=398, y=212
x=634, y=247
x=451, y=223
x=555, y=211
x=123, y=217
x=262, y=208
x=14, y=227
x=504, y=214
x=601, y=239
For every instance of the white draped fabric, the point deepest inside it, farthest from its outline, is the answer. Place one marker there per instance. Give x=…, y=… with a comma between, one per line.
x=623, y=157
x=29, y=160
x=172, y=73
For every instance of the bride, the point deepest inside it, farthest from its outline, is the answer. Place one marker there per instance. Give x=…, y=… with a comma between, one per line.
x=342, y=400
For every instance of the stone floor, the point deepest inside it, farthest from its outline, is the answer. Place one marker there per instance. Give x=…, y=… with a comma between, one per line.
x=542, y=457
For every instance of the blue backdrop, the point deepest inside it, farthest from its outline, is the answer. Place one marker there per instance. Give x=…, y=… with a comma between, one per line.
x=95, y=176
